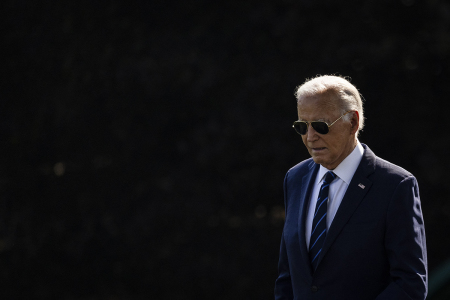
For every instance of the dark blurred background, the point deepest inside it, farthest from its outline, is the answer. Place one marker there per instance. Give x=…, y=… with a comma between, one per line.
x=144, y=143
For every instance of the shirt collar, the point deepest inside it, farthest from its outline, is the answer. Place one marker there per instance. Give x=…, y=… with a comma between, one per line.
x=347, y=167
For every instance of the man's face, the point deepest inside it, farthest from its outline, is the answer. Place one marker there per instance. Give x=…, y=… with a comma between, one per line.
x=332, y=148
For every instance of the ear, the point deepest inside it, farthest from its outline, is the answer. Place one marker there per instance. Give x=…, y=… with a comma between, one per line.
x=354, y=121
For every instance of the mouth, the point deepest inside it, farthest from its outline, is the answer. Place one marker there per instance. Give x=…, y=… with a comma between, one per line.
x=318, y=149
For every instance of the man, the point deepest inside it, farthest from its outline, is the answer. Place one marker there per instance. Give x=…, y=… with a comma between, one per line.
x=354, y=227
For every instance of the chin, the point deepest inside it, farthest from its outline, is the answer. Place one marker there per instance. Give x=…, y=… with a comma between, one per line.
x=318, y=160
x=322, y=162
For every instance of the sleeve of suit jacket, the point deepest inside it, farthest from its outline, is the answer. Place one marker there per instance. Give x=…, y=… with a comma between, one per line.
x=405, y=244
x=283, y=285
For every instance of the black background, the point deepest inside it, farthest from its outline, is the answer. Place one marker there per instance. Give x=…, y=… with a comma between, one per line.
x=144, y=143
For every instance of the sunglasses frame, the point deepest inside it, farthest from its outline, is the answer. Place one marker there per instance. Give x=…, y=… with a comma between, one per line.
x=307, y=124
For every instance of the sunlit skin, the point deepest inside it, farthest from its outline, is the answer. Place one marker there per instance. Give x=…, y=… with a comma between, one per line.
x=332, y=148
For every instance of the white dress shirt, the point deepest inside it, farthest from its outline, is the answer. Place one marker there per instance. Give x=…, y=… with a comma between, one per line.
x=344, y=171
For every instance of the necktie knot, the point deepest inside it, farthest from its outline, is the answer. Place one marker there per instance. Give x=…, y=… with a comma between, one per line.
x=329, y=177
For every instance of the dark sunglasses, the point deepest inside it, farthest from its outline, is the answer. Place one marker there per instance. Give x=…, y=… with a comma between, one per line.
x=301, y=127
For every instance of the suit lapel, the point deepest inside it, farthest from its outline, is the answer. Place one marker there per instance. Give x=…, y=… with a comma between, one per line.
x=357, y=189
x=305, y=192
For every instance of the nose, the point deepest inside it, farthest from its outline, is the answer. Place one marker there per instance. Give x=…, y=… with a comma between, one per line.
x=311, y=134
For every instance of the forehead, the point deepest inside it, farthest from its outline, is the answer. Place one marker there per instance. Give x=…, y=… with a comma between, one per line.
x=317, y=107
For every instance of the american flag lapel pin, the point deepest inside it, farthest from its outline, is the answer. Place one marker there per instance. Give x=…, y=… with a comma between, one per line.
x=362, y=186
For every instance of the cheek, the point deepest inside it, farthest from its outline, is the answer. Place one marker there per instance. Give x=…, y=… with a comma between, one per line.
x=333, y=142
x=304, y=139
x=337, y=149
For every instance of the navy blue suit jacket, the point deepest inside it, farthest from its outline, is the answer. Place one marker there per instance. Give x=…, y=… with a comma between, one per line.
x=375, y=247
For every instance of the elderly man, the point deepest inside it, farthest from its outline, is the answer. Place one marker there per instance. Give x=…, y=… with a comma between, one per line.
x=354, y=227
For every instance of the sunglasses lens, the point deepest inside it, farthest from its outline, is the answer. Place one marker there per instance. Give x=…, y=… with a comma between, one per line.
x=300, y=127
x=320, y=127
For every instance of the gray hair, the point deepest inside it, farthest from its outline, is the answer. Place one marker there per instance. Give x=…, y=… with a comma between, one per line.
x=350, y=98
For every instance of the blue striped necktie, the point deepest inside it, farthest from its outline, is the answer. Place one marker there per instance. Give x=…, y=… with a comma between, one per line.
x=319, y=226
